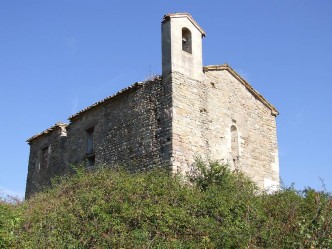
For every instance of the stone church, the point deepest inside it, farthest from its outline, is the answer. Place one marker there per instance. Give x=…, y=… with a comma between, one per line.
x=189, y=111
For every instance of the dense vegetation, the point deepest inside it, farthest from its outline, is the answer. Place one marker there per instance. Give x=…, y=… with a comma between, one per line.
x=108, y=208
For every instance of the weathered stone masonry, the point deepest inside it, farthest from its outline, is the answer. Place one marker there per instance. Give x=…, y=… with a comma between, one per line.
x=204, y=113
x=131, y=128
x=189, y=111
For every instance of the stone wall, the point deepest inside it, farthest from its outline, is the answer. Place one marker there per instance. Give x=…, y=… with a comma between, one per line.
x=204, y=114
x=46, y=159
x=144, y=140
x=131, y=129
x=166, y=123
x=193, y=111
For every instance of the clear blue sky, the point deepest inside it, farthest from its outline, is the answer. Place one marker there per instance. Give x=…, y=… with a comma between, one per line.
x=57, y=57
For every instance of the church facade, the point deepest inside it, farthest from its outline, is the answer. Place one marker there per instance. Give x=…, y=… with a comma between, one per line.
x=189, y=111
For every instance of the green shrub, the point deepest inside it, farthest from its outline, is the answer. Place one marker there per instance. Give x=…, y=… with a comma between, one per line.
x=10, y=218
x=108, y=208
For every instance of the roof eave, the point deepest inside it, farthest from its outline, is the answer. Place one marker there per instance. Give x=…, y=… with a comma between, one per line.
x=132, y=87
x=127, y=89
x=47, y=131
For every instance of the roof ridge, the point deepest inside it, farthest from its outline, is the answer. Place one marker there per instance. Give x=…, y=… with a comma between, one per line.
x=136, y=84
x=61, y=124
x=123, y=90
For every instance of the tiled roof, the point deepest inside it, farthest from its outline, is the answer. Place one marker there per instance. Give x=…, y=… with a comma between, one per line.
x=132, y=87
x=137, y=85
x=72, y=117
x=52, y=128
x=225, y=66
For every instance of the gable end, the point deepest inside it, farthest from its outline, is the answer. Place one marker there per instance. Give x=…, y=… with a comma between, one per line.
x=226, y=67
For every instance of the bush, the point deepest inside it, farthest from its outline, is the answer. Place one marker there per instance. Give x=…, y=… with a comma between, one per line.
x=10, y=218
x=220, y=209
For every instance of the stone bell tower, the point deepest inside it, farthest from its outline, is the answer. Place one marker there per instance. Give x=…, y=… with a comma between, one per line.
x=182, y=45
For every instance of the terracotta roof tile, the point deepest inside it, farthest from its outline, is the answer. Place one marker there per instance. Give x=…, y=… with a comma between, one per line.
x=124, y=90
x=52, y=128
x=134, y=86
x=72, y=117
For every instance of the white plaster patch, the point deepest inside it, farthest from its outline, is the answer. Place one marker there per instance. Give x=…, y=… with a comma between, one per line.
x=275, y=164
x=271, y=186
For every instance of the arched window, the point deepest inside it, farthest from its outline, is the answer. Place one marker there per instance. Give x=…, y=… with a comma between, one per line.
x=234, y=143
x=186, y=40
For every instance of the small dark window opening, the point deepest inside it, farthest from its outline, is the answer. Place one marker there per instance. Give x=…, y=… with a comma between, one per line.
x=90, y=145
x=91, y=161
x=90, y=155
x=186, y=40
x=44, y=157
x=235, y=143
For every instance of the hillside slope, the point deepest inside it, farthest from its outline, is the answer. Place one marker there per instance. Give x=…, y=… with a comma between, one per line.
x=109, y=208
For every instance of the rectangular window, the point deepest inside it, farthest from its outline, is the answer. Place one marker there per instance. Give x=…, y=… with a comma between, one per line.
x=91, y=161
x=44, y=157
x=90, y=141
x=90, y=155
